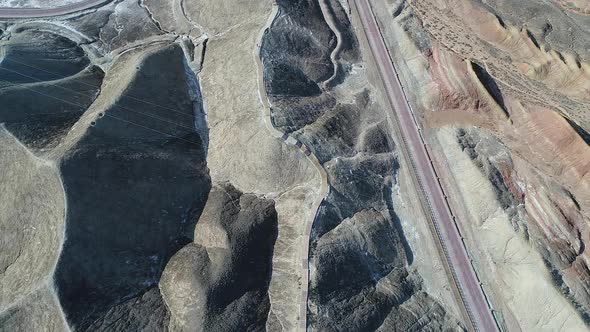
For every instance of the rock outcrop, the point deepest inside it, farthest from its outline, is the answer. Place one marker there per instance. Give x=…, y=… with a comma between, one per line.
x=220, y=282
x=359, y=257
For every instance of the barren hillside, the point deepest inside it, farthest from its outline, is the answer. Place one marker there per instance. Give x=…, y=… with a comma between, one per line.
x=231, y=165
x=501, y=90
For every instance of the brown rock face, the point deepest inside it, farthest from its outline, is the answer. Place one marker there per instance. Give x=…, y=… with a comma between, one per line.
x=517, y=97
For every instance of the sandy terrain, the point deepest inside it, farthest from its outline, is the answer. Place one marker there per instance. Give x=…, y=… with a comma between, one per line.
x=239, y=139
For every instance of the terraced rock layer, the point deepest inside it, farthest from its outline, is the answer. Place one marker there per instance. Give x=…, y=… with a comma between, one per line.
x=139, y=161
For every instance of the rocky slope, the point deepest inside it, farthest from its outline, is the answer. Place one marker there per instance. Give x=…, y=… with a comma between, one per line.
x=156, y=184
x=36, y=3
x=501, y=91
x=166, y=161
x=220, y=282
x=359, y=257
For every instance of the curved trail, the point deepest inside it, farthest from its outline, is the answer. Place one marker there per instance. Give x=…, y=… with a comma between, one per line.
x=329, y=19
x=15, y=13
x=324, y=189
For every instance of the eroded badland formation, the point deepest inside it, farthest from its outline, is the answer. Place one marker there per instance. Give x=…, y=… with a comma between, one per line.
x=232, y=165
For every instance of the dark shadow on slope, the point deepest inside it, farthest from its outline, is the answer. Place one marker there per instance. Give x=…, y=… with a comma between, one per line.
x=488, y=82
x=585, y=135
x=228, y=267
x=135, y=185
x=240, y=298
x=350, y=51
x=296, y=60
x=46, y=84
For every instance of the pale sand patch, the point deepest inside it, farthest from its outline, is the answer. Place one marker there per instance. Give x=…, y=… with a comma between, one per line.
x=511, y=270
x=243, y=151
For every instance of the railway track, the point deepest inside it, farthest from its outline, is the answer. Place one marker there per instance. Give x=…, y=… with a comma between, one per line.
x=475, y=306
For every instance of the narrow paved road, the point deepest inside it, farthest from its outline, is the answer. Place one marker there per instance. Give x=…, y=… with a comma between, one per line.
x=458, y=260
x=15, y=13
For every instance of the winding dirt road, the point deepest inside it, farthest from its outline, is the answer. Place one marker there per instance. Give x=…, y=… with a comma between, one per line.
x=471, y=294
x=323, y=190
x=16, y=13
